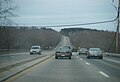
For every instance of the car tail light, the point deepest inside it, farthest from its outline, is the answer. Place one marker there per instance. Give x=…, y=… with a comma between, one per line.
x=57, y=52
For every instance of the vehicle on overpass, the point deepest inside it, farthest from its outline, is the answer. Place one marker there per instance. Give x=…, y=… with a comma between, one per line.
x=63, y=52
x=35, y=50
x=95, y=52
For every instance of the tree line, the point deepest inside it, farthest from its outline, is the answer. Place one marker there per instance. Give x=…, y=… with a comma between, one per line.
x=91, y=38
x=25, y=37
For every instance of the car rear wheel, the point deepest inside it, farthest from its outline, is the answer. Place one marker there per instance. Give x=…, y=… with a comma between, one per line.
x=56, y=57
x=39, y=53
x=101, y=57
x=88, y=57
x=31, y=53
x=69, y=57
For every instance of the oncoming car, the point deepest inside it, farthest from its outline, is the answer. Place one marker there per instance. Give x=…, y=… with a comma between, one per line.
x=35, y=50
x=63, y=52
x=95, y=52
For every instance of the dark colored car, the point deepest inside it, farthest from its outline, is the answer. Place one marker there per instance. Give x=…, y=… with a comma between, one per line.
x=83, y=51
x=74, y=49
x=95, y=52
x=63, y=52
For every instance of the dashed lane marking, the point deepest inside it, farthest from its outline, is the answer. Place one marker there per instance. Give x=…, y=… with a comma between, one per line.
x=81, y=59
x=112, y=60
x=104, y=74
x=87, y=63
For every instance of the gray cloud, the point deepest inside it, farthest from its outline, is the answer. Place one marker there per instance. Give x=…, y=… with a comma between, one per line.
x=52, y=12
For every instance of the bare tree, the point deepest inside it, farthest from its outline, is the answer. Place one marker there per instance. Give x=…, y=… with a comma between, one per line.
x=6, y=12
x=88, y=39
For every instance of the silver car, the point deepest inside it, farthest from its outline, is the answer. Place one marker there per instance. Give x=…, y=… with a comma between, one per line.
x=95, y=52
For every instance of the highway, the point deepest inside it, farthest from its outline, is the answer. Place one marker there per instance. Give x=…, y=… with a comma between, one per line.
x=76, y=69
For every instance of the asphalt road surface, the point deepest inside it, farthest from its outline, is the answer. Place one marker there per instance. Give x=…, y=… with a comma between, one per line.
x=77, y=69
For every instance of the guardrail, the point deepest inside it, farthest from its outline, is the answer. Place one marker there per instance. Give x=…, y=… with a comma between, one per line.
x=7, y=51
x=112, y=54
x=16, y=70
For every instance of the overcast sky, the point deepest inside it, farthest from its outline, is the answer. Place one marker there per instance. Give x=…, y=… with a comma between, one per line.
x=58, y=12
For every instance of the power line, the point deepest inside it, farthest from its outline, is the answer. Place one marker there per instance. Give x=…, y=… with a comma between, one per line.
x=89, y=23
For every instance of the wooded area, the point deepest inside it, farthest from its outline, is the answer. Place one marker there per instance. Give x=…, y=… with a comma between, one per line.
x=25, y=37
x=82, y=37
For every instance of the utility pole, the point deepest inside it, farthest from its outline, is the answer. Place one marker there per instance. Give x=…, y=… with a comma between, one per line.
x=117, y=30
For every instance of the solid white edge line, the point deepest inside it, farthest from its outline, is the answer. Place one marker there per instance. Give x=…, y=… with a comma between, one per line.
x=112, y=60
x=104, y=74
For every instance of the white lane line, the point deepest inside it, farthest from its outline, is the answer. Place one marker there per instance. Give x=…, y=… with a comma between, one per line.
x=87, y=63
x=104, y=74
x=112, y=60
x=81, y=59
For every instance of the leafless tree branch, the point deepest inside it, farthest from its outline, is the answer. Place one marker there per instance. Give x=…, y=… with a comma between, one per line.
x=6, y=12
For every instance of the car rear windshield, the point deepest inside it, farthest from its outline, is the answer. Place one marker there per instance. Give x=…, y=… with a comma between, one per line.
x=83, y=49
x=64, y=49
x=94, y=49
